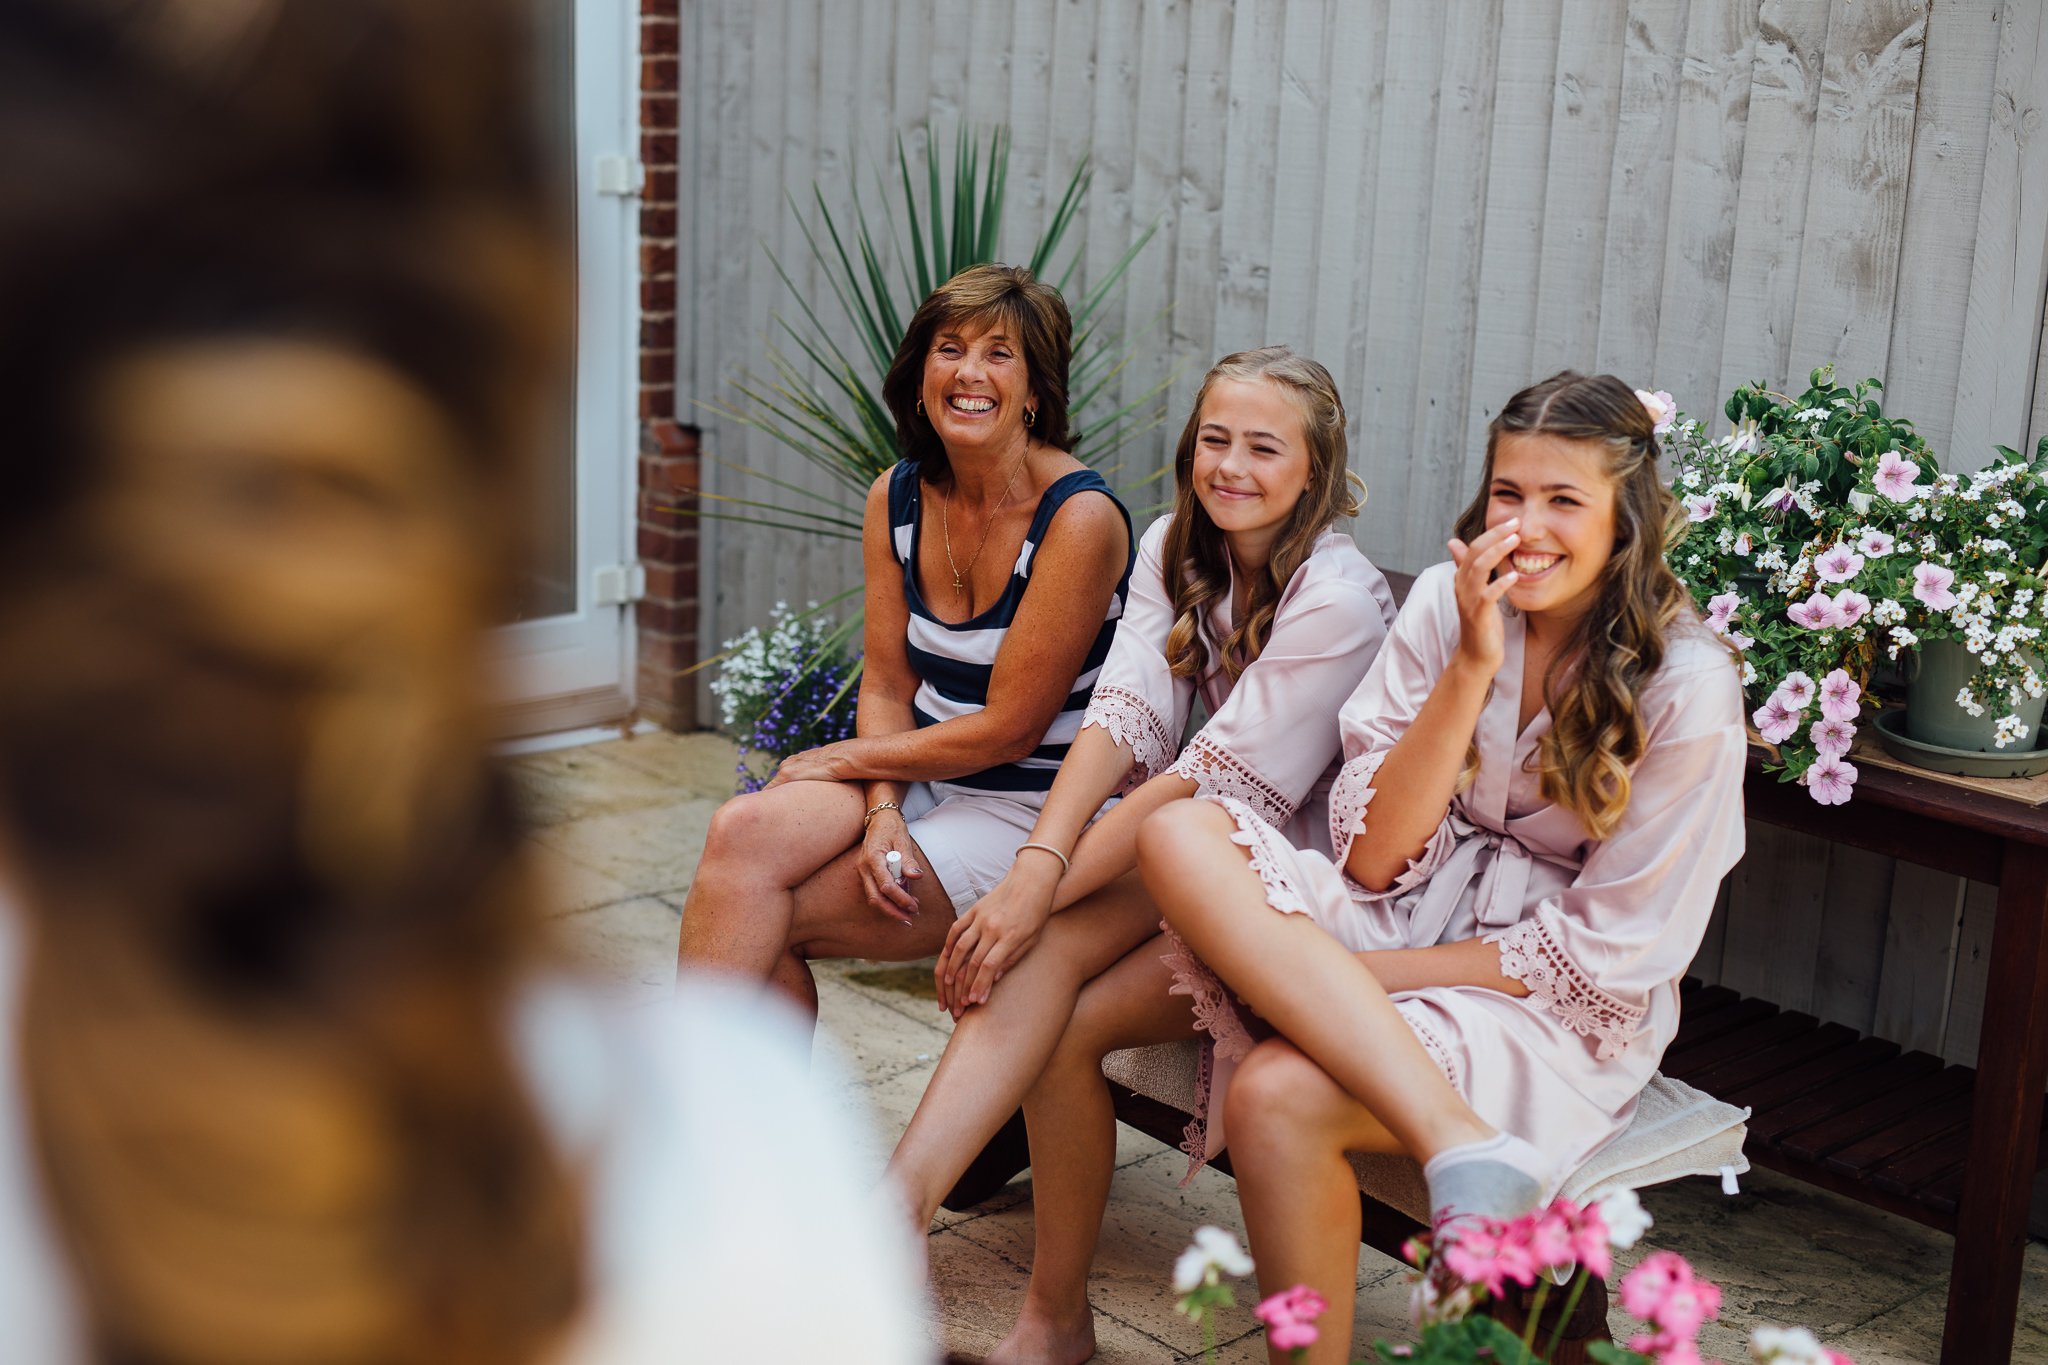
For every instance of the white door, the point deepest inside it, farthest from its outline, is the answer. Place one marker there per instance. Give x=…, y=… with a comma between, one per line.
x=566, y=657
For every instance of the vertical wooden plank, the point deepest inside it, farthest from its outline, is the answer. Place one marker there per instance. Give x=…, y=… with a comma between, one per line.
x=1639, y=190
x=1113, y=124
x=2038, y=426
x=2002, y=332
x=1437, y=488
x=946, y=55
x=1511, y=246
x=1777, y=160
x=1583, y=126
x=1351, y=52
x=1205, y=115
x=1370, y=21
x=1297, y=185
x=1952, y=124
x=1156, y=185
x=1400, y=248
x=1706, y=963
x=1069, y=84
x=991, y=48
x=746, y=557
x=1775, y=900
x=1964, y=1024
x=1851, y=956
x=1919, y=952
x=910, y=24
x=1713, y=119
x=1245, y=240
x=1856, y=203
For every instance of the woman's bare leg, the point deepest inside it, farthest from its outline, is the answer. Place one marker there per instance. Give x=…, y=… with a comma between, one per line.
x=779, y=883
x=999, y=1048
x=1303, y=982
x=1073, y=1150
x=1290, y=1126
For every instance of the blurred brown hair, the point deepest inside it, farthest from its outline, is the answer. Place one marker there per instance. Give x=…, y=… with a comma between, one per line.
x=979, y=297
x=1596, y=735
x=273, y=925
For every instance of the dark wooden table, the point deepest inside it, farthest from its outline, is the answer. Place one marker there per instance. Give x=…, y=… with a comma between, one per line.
x=1950, y=1148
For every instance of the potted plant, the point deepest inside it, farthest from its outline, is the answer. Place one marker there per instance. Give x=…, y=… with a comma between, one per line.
x=784, y=689
x=1822, y=541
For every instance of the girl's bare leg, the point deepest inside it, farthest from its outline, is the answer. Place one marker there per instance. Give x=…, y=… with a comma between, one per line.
x=999, y=1048
x=1300, y=980
x=1290, y=1126
x=1073, y=1150
x=779, y=883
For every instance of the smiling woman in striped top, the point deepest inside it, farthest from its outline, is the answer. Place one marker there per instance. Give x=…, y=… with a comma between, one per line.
x=996, y=568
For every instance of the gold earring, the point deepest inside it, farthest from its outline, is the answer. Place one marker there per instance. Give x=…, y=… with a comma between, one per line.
x=920, y=407
x=1031, y=417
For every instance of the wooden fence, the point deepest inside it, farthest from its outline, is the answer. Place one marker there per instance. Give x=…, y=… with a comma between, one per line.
x=1443, y=202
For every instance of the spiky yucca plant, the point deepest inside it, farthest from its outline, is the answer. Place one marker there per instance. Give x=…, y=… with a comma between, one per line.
x=879, y=273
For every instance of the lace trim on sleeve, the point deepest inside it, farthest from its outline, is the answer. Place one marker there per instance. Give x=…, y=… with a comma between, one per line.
x=1131, y=722
x=1530, y=955
x=1349, y=796
x=1219, y=772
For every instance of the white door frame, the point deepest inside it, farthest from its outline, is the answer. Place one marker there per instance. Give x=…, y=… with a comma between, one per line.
x=577, y=669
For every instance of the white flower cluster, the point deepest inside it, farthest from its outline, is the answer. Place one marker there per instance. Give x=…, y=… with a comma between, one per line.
x=759, y=663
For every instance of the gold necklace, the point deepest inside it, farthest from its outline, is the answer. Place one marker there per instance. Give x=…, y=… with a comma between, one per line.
x=946, y=528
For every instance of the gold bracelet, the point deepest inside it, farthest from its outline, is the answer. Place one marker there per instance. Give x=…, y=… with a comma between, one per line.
x=875, y=810
x=1066, y=863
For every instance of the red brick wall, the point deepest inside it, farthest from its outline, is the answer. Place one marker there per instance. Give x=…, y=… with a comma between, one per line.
x=667, y=617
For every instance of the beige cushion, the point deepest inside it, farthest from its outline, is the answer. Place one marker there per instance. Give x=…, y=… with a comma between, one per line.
x=1677, y=1131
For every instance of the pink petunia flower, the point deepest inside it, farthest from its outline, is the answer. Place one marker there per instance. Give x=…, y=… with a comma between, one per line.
x=1721, y=609
x=1796, y=690
x=1699, y=507
x=1931, y=585
x=1290, y=1317
x=1832, y=738
x=1838, y=564
x=1743, y=544
x=1740, y=641
x=1875, y=544
x=1830, y=781
x=1895, y=476
x=1775, y=721
x=1850, y=607
x=1815, y=613
x=1841, y=697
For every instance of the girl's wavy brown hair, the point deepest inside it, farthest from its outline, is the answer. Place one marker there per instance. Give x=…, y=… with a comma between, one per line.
x=1596, y=735
x=1034, y=316
x=1197, y=559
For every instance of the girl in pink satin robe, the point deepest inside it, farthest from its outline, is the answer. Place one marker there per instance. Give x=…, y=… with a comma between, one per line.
x=1246, y=601
x=1542, y=792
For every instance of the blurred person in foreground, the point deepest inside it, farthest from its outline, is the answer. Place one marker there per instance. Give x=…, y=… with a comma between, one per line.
x=289, y=1074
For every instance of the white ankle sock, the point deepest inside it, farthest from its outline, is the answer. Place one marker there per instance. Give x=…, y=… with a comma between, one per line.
x=1497, y=1177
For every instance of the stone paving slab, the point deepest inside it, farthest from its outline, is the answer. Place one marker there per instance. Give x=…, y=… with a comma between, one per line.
x=616, y=830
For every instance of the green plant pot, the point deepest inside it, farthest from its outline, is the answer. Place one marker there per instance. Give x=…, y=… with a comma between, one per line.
x=1940, y=669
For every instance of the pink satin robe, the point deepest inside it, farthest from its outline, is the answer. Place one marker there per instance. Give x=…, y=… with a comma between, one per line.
x=1270, y=741
x=1600, y=931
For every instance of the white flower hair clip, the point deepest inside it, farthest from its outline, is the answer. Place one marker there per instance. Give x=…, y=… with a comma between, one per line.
x=1661, y=406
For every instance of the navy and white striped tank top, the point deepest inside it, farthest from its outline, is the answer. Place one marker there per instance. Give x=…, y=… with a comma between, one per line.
x=954, y=662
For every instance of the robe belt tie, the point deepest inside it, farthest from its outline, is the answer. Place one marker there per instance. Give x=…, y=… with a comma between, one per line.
x=1499, y=863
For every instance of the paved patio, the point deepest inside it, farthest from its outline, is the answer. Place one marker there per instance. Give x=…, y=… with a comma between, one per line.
x=617, y=830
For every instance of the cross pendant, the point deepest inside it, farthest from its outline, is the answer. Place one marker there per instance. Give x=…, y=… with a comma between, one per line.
x=958, y=585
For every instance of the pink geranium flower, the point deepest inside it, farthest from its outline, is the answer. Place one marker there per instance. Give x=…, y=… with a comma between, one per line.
x=1775, y=721
x=1931, y=585
x=1721, y=609
x=1830, y=781
x=1832, y=738
x=1895, y=476
x=1850, y=607
x=1841, y=697
x=1290, y=1317
x=1875, y=544
x=1489, y=1253
x=1644, y=1289
x=1699, y=507
x=1817, y=612
x=1592, y=1244
x=1838, y=564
